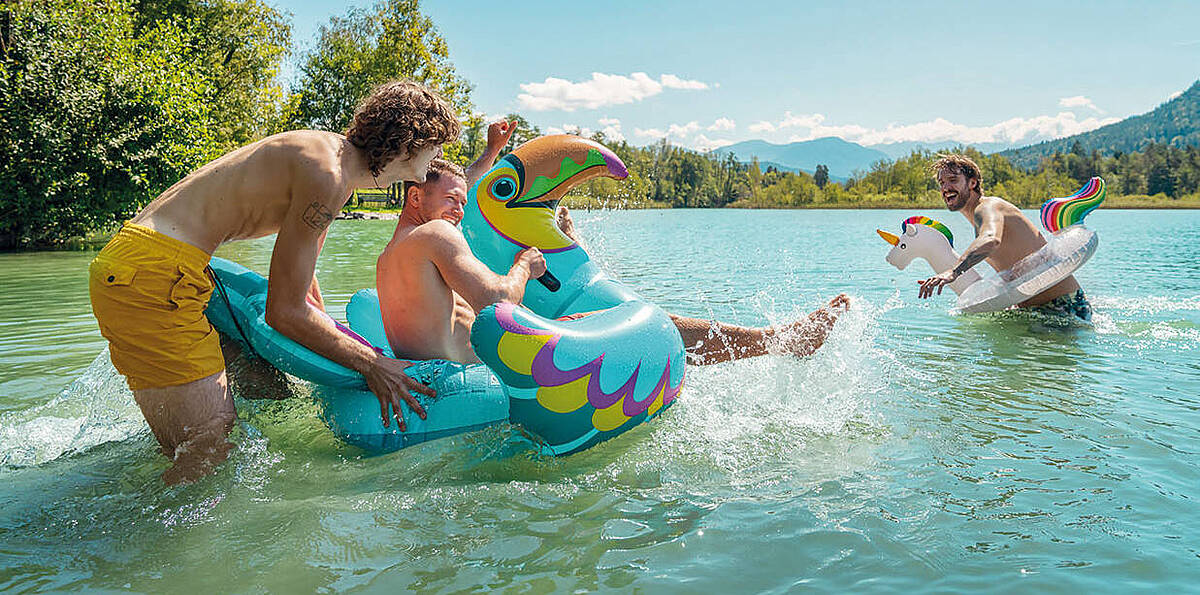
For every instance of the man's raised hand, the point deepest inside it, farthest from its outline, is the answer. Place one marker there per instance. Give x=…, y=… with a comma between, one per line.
x=498, y=134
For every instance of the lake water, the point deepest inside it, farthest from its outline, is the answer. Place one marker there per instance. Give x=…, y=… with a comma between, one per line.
x=917, y=451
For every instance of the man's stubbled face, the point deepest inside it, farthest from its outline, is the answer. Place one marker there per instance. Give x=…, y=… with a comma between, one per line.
x=956, y=188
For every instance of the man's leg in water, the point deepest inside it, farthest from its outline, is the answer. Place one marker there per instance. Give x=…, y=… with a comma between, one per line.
x=713, y=342
x=191, y=422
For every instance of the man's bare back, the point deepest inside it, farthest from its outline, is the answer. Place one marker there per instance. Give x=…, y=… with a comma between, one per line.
x=430, y=321
x=247, y=193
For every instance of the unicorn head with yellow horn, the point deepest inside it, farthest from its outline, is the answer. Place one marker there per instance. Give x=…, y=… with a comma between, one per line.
x=929, y=240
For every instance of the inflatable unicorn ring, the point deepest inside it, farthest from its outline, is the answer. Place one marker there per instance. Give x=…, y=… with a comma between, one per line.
x=1069, y=246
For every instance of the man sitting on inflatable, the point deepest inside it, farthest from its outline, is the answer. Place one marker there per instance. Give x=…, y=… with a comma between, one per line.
x=1003, y=236
x=431, y=286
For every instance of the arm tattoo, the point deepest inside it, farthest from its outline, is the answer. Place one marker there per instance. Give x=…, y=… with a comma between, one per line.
x=317, y=216
x=969, y=261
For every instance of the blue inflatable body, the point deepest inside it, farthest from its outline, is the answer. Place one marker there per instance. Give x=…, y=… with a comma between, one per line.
x=468, y=396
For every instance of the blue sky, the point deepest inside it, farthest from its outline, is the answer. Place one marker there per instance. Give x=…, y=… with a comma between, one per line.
x=705, y=74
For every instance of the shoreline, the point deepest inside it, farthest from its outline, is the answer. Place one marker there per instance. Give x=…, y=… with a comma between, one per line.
x=368, y=215
x=96, y=241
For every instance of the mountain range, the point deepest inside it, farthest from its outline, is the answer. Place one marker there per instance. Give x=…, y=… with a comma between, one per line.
x=1175, y=122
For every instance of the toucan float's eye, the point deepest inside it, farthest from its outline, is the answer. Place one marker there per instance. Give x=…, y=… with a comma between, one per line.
x=504, y=188
x=901, y=246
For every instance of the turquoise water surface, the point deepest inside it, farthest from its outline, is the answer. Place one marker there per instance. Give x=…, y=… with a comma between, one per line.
x=916, y=451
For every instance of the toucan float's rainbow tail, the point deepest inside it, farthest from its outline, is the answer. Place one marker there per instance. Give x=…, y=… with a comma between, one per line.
x=1058, y=213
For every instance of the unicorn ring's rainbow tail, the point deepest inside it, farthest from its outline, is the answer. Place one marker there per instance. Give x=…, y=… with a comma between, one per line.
x=1058, y=213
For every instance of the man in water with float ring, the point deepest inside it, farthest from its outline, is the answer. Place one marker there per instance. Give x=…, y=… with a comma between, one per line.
x=1003, y=236
x=149, y=288
x=431, y=286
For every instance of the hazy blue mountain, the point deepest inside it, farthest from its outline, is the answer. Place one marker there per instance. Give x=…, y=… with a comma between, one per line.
x=1176, y=122
x=841, y=157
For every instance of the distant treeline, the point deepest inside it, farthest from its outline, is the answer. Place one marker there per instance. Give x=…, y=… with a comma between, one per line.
x=668, y=176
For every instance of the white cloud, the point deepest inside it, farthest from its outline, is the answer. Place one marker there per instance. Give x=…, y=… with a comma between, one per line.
x=762, y=126
x=674, y=130
x=722, y=124
x=1079, y=101
x=682, y=130
x=611, y=127
x=1013, y=130
x=704, y=143
x=603, y=89
x=802, y=121
x=671, y=81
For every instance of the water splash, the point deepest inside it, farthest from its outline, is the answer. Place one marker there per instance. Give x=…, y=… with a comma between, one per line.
x=96, y=408
x=741, y=413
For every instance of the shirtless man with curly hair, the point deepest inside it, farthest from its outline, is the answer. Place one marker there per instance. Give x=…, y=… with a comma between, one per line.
x=149, y=287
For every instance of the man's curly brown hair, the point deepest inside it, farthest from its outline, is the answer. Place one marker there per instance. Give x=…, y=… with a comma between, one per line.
x=958, y=164
x=398, y=119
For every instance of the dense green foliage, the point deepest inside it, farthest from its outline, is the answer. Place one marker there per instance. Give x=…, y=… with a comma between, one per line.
x=1175, y=123
x=104, y=103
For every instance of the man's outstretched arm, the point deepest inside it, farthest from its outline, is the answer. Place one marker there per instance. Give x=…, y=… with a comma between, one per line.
x=467, y=276
x=991, y=228
x=292, y=264
x=497, y=137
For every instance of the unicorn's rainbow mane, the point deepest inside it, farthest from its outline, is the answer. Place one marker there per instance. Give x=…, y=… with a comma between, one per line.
x=1058, y=213
x=926, y=221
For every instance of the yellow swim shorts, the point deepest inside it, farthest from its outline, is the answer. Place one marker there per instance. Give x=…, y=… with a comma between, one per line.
x=149, y=292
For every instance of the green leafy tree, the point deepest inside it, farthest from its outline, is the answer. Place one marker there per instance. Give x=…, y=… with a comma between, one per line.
x=367, y=47
x=102, y=108
x=821, y=177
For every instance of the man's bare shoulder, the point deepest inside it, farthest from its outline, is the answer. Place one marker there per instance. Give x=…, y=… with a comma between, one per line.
x=434, y=236
x=997, y=204
x=311, y=154
x=438, y=235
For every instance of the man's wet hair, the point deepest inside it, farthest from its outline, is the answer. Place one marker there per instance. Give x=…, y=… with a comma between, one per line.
x=398, y=119
x=958, y=164
x=437, y=168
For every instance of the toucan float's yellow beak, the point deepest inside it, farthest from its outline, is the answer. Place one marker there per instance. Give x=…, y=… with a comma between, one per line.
x=890, y=238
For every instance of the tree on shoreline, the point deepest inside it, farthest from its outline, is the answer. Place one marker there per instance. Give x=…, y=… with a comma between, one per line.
x=367, y=47
x=104, y=107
